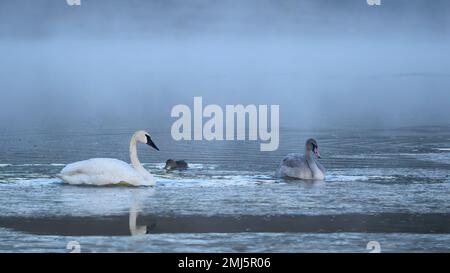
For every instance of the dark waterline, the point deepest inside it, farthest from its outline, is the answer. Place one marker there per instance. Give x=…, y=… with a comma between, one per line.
x=119, y=225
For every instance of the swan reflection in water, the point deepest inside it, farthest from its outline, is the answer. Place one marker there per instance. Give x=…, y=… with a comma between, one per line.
x=135, y=209
x=109, y=201
x=136, y=230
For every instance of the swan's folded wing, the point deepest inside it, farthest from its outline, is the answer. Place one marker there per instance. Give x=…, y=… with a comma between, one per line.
x=97, y=166
x=294, y=161
x=99, y=171
x=293, y=165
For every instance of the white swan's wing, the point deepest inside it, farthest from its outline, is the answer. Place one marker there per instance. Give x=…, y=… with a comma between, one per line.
x=100, y=171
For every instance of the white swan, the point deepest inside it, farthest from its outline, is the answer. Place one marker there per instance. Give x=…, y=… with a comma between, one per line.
x=107, y=171
x=303, y=167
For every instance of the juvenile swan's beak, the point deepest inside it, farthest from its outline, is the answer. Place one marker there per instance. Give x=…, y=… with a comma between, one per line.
x=316, y=152
x=150, y=143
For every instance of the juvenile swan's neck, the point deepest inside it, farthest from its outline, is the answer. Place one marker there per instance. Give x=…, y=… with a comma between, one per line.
x=133, y=156
x=312, y=164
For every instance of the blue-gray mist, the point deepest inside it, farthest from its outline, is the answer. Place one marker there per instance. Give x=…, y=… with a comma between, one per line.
x=328, y=64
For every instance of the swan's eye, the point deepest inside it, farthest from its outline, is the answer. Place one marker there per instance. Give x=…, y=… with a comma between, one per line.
x=150, y=142
x=149, y=139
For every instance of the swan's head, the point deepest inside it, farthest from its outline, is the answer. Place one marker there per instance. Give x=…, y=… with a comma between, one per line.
x=311, y=145
x=144, y=137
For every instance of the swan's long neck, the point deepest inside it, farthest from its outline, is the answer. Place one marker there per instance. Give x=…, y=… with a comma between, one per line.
x=133, y=156
x=312, y=163
x=146, y=176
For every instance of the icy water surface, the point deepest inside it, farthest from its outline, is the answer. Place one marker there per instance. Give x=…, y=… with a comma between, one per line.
x=390, y=186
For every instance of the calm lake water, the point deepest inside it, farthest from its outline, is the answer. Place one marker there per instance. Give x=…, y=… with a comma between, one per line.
x=389, y=186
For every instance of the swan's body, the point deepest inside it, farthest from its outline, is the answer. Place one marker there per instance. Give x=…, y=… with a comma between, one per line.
x=109, y=171
x=103, y=171
x=303, y=167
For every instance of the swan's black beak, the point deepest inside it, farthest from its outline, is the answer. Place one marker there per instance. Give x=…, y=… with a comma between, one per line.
x=150, y=143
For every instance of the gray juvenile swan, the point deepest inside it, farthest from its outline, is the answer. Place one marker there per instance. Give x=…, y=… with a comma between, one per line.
x=303, y=167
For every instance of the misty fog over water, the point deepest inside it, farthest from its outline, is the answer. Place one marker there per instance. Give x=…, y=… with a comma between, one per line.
x=125, y=64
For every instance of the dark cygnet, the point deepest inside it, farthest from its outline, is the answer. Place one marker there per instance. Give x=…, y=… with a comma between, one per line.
x=175, y=165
